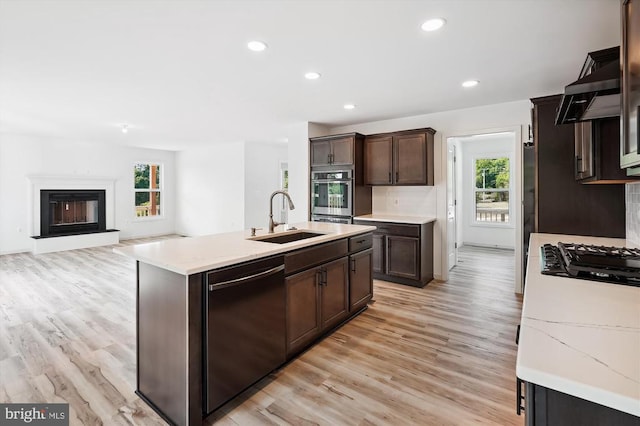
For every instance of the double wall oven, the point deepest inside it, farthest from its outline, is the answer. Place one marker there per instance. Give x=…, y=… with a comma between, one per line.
x=332, y=196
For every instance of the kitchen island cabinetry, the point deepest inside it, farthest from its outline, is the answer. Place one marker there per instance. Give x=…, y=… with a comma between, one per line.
x=360, y=273
x=216, y=313
x=317, y=300
x=402, y=248
x=400, y=158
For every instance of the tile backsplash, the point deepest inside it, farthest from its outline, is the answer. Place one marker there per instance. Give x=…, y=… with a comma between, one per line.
x=405, y=200
x=632, y=200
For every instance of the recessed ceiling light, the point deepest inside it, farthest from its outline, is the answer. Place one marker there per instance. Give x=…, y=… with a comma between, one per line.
x=256, y=46
x=349, y=106
x=124, y=128
x=433, y=24
x=470, y=83
x=312, y=75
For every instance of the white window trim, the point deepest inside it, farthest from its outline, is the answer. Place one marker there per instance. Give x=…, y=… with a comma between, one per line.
x=161, y=190
x=474, y=222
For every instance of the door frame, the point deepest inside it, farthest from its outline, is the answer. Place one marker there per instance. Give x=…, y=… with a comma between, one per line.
x=452, y=191
x=518, y=131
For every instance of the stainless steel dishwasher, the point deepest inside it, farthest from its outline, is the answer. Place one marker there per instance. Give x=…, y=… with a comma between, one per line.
x=244, y=327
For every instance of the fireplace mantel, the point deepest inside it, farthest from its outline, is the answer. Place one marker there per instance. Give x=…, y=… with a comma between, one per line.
x=53, y=182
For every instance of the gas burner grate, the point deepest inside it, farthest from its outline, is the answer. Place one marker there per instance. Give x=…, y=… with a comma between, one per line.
x=618, y=252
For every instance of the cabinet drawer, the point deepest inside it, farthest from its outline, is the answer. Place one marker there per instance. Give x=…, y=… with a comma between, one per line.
x=404, y=230
x=312, y=256
x=360, y=242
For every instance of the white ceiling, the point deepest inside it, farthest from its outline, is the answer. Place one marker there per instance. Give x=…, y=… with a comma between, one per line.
x=180, y=74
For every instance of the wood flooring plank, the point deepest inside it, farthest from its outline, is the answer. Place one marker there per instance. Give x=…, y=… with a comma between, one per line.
x=439, y=355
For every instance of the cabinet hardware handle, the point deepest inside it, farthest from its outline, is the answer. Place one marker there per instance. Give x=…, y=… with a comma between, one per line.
x=397, y=176
x=519, y=397
x=360, y=241
x=318, y=277
x=238, y=281
x=389, y=177
x=353, y=265
x=579, y=165
x=324, y=277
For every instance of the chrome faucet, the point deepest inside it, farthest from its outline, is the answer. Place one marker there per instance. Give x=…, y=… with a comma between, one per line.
x=272, y=223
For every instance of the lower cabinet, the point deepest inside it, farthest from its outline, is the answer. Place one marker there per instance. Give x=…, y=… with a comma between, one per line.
x=317, y=300
x=360, y=280
x=402, y=253
x=547, y=407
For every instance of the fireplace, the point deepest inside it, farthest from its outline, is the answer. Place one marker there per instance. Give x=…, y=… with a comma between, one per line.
x=72, y=212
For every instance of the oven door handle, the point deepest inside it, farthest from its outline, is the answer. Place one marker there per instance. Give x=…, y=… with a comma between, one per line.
x=331, y=180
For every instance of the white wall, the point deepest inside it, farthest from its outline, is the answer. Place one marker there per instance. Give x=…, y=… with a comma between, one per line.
x=22, y=156
x=299, y=185
x=472, y=148
x=210, y=189
x=262, y=177
x=448, y=123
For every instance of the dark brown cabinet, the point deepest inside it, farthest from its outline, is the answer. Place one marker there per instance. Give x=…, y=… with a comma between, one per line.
x=630, y=62
x=333, y=150
x=360, y=274
x=597, y=144
x=400, y=158
x=548, y=407
x=562, y=204
x=317, y=300
x=403, y=257
x=402, y=253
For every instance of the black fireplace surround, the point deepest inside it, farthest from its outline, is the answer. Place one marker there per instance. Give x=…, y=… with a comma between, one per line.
x=72, y=212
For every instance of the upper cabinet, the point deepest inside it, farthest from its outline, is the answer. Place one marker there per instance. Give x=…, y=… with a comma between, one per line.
x=338, y=150
x=399, y=158
x=597, y=145
x=630, y=61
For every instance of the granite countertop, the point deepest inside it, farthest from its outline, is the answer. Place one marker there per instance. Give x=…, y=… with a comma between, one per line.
x=416, y=220
x=188, y=256
x=580, y=337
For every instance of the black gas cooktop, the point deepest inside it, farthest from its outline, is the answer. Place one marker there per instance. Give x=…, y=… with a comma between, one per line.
x=617, y=265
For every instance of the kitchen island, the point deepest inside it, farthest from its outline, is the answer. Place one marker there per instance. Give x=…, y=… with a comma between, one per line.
x=579, y=345
x=217, y=313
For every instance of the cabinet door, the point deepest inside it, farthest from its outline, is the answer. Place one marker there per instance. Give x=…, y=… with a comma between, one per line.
x=410, y=159
x=360, y=280
x=403, y=257
x=584, y=150
x=378, y=163
x=303, y=313
x=320, y=153
x=630, y=61
x=378, y=253
x=334, y=305
x=342, y=151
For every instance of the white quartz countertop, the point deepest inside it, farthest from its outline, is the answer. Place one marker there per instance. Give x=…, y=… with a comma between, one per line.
x=580, y=337
x=198, y=254
x=416, y=220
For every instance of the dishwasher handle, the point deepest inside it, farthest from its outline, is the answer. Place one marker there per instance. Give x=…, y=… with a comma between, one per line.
x=243, y=280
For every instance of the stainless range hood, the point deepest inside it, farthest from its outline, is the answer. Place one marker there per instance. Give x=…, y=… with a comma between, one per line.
x=596, y=93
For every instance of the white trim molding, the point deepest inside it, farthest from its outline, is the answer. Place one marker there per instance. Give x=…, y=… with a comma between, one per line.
x=40, y=182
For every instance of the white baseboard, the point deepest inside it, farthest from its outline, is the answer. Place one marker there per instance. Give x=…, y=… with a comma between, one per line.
x=72, y=242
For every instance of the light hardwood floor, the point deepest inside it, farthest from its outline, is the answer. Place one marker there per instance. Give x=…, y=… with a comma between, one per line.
x=441, y=355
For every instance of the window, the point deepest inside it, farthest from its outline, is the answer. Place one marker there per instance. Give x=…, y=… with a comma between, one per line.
x=147, y=189
x=492, y=177
x=284, y=185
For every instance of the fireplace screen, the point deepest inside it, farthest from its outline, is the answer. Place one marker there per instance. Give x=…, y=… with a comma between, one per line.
x=73, y=212
x=70, y=212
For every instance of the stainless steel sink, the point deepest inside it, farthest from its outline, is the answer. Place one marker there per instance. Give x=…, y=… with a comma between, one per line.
x=286, y=237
